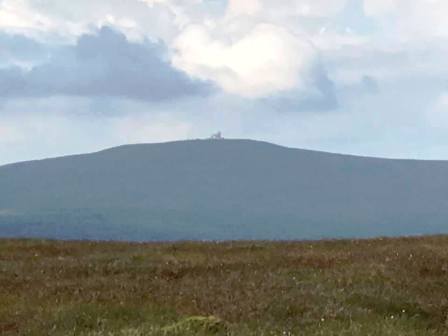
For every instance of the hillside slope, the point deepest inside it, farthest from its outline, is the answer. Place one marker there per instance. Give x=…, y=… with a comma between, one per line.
x=227, y=189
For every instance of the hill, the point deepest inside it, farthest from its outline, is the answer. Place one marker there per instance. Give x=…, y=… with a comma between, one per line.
x=384, y=287
x=221, y=189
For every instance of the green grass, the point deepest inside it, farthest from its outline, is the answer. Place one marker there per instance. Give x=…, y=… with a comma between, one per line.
x=371, y=287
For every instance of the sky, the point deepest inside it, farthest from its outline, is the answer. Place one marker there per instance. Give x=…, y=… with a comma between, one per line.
x=363, y=77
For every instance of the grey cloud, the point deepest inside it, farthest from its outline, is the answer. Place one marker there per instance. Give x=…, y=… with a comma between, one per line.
x=18, y=48
x=321, y=95
x=365, y=85
x=103, y=64
x=370, y=84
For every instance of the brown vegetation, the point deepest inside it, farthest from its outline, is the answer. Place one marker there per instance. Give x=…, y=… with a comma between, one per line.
x=371, y=287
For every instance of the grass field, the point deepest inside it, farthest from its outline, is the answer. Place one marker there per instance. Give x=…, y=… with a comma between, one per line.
x=373, y=287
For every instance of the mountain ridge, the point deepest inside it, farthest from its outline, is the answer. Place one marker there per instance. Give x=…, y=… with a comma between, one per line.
x=221, y=189
x=174, y=142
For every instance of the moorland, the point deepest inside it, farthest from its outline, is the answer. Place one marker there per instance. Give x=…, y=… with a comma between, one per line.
x=341, y=287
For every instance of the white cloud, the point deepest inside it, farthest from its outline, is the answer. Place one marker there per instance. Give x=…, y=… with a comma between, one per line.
x=159, y=19
x=251, y=57
x=381, y=7
x=252, y=48
x=307, y=8
x=247, y=7
x=265, y=60
x=17, y=15
x=256, y=48
x=135, y=18
x=286, y=8
x=410, y=19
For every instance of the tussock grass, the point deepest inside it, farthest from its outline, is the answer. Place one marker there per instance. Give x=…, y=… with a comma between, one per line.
x=371, y=287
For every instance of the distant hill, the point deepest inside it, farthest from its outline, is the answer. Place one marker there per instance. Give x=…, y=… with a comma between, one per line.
x=221, y=189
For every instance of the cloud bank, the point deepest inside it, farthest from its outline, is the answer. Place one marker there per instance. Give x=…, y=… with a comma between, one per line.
x=363, y=77
x=101, y=64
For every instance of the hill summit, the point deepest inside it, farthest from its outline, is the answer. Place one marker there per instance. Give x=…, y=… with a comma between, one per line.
x=216, y=190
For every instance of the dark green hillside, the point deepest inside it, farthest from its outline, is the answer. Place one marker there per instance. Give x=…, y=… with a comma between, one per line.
x=225, y=189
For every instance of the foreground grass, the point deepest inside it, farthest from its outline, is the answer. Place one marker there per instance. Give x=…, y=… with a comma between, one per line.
x=373, y=287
